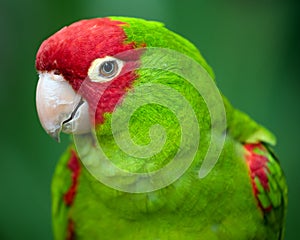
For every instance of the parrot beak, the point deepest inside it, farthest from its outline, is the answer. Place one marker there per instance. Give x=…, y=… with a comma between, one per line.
x=59, y=107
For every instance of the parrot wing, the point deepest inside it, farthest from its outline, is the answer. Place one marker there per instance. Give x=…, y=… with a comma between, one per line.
x=267, y=178
x=268, y=183
x=63, y=191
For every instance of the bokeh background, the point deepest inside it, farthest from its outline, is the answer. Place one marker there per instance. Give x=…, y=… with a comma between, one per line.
x=253, y=46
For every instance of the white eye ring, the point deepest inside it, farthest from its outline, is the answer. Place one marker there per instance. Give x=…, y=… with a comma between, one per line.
x=105, y=69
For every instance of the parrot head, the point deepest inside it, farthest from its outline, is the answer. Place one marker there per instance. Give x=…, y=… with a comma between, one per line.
x=82, y=53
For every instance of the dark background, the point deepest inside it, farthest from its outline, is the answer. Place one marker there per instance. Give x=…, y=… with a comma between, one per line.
x=253, y=47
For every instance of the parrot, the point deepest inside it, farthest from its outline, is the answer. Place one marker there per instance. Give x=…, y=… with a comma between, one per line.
x=141, y=133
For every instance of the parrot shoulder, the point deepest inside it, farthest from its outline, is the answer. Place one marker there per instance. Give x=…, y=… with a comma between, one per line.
x=265, y=173
x=244, y=129
x=268, y=185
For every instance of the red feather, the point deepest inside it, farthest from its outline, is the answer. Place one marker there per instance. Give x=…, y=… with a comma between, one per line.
x=74, y=166
x=257, y=163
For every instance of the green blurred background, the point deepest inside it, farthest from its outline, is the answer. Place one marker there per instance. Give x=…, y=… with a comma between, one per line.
x=253, y=46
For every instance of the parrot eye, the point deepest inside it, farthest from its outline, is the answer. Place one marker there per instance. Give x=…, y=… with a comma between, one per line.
x=104, y=69
x=108, y=69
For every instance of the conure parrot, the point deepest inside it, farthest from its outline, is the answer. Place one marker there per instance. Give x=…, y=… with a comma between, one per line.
x=157, y=152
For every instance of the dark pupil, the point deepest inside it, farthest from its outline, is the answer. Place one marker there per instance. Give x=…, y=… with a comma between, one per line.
x=108, y=67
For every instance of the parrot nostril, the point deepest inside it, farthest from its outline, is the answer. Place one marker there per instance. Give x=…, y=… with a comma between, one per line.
x=56, y=72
